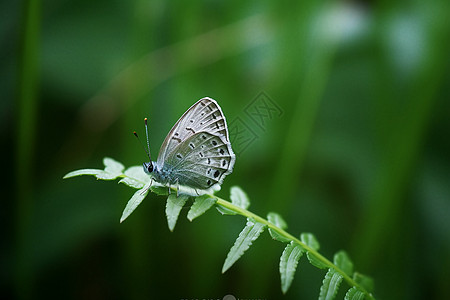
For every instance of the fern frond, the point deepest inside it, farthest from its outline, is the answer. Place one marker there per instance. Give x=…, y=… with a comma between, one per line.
x=341, y=269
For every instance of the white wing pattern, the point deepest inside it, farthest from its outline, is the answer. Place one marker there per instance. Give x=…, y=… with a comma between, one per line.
x=204, y=115
x=197, y=151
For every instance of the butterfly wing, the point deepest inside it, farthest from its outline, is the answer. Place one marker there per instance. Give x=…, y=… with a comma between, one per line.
x=201, y=161
x=204, y=115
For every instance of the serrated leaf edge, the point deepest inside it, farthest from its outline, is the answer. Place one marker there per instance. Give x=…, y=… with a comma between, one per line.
x=288, y=264
x=332, y=280
x=247, y=236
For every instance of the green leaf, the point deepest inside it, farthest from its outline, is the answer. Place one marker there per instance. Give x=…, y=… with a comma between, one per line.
x=316, y=262
x=224, y=210
x=354, y=294
x=343, y=262
x=133, y=203
x=248, y=235
x=330, y=285
x=238, y=197
x=160, y=190
x=288, y=264
x=364, y=281
x=135, y=177
x=81, y=172
x=310, y=240
x=200, y=206
x=173, y=208
x=278, y=221
x=113, y=169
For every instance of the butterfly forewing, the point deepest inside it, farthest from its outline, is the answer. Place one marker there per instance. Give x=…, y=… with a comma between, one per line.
x=204, y=116
x=201, y=161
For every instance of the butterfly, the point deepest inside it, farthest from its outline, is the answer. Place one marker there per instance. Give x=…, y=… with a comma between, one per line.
x=196, y=154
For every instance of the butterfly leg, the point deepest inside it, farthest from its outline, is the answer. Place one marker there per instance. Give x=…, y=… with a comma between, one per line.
x=149, y=186
x=178, y=187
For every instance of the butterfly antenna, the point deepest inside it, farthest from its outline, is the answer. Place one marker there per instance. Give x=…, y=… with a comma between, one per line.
x=146, y=133
x=140, y=142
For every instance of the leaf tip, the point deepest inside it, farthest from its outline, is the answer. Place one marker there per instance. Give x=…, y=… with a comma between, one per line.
x=123, y=218
x=225, y=268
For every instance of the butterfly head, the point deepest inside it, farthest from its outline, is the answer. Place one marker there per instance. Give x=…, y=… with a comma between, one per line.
x=148, y=167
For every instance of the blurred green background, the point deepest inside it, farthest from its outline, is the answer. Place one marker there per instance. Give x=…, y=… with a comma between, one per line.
x=357, y=153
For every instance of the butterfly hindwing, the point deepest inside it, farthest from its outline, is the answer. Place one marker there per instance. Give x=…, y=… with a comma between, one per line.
x=202, y=160
x=205, y=115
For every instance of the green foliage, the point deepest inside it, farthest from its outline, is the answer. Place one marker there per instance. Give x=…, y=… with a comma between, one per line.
x=200, y=206
x=278, y=221
x=248, y=235
x=288, y=264
x=340, y=269
x=330, y=285
x=238, y=198
x=310, y=240
x=342, y=260
x=173, y=208
x=133, y=203
x=354, y=294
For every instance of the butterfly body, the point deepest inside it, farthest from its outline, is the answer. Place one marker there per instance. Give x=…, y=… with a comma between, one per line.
x=196, y=154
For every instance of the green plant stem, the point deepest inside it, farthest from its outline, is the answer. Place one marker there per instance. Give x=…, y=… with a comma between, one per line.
x=244, y=212
x=26, y=112
x=324, y=260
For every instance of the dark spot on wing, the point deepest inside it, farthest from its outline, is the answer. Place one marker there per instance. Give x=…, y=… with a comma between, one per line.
x=208, y=182
x=209, y=161
x=201, y=154
x=214, y=143
x=221, y=151
x=191, y=145
x=203, y=136
x=179, y=155
x=216, y=174
x=190, y=128
x=224, y=163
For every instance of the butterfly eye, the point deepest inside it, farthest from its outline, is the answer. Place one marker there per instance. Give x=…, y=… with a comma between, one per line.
x=148, y=167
